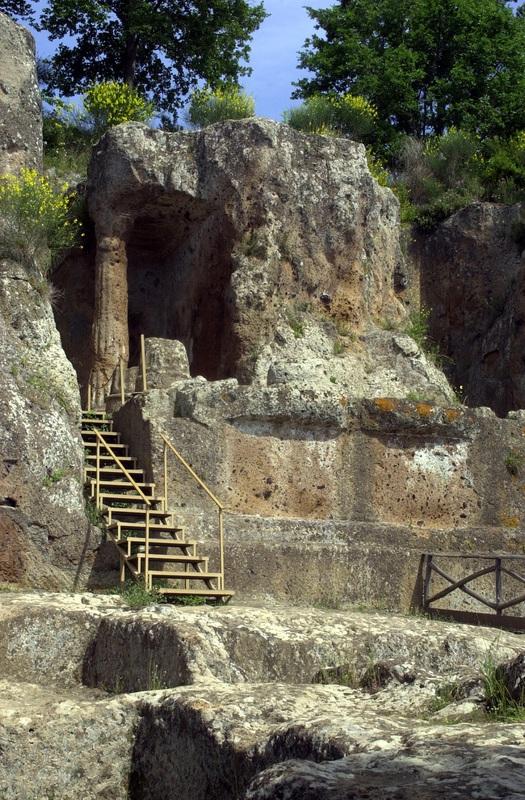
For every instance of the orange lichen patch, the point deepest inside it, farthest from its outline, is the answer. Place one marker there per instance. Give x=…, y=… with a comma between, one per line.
x=509, y=521
x=385, y=403
x=343, y=401
x=424, y=409
x=451, y=414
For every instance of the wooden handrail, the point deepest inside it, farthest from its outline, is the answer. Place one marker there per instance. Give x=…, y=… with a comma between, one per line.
x=208, y=491
x=121, y=466
x=192, y=472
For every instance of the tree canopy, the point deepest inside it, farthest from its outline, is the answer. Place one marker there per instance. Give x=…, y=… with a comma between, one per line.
x=160, y=47
x=426, y=65
x=15, y=8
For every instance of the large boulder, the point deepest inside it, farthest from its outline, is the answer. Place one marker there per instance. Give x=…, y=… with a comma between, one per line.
x=20, y=104
x=472, y=272
x=273, y=256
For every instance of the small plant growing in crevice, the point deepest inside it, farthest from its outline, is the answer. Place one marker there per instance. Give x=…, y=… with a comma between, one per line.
x=94, y=514
x=54, y=477
x=296, y=324
x=514, y=462
x=339, y=347
x=444, y=696
x=136, y=595
x=500, y=704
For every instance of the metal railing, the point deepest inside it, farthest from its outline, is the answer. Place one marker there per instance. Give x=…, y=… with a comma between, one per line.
x=168, y=446
x=498, y=604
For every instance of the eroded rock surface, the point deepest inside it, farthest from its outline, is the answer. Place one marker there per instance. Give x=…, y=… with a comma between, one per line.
x=270, y=254
x=44, y=534
x=20, y=105
x=471, y=271
x=250, y=723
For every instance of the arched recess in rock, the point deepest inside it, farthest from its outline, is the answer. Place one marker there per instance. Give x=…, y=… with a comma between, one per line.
x=163, y=270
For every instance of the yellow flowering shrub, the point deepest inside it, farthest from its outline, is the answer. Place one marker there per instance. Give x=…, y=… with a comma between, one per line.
x=335, y=115
x=215, y=105
x=111, y=103
x=35, y=219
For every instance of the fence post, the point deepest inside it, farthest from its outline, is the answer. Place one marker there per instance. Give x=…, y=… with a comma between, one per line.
x=89, y=397
x=165, y=476
x=427, y=578
x=143, y=363
x=221, y=547
x=498, y=584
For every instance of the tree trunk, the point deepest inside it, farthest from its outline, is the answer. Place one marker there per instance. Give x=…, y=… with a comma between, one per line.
x=130, y=60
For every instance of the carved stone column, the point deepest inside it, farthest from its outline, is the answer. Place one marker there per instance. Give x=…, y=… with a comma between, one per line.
x=110, y=335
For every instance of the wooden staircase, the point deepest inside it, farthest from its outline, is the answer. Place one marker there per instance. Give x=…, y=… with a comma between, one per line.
x=149, y=543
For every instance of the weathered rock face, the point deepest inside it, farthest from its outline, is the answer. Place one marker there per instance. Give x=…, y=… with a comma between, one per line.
x=472, y=273
x=237, y=730
x=20, y=105
x=272, y=255
x=45, y=537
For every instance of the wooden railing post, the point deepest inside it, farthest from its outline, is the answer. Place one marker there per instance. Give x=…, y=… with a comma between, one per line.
x=147, y=581
x=220, y=507
x=143, y=363
x=498, y=576
x=97, y=477
x=89, y=397
x=221, y=547
x=122, y=381
x=427, y=578
x=165, y=476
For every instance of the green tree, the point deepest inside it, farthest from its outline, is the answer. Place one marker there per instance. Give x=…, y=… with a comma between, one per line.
x=159, y=47
x=15, y=8
x=426, y=65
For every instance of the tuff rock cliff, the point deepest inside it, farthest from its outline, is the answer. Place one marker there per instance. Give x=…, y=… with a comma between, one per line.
x=45, y=538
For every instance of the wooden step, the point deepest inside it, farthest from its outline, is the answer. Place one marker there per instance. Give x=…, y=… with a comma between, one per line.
x=133, y=512
x=125, y=459
x=175, y=576
x=177, y=557
x=96, y=414
x=110, y=499
x=186, y=576
x=155, y=526
x=197, y=592
x=127, y=485
x=101, y=425
x=104, y=434
x=116, y=471
x=157, y=543
x=113, y=445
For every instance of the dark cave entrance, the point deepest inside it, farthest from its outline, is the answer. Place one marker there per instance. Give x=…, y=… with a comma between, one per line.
x=179, y=268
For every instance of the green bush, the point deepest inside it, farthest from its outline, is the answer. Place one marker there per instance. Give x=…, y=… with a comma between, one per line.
x=446, y=173
x=502, y=169
x=67, y=139
x=35, y=219
x=335, y=115
x=112, y=103
x=208, y=106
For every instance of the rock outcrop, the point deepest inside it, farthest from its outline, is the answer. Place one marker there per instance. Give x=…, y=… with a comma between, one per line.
x=272, y=255
x=472, y=272
x=274, y=704
x=44, y=534
x=20, y=105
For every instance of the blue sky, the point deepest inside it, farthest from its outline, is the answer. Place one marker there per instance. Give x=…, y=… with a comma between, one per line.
x=274, y=53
